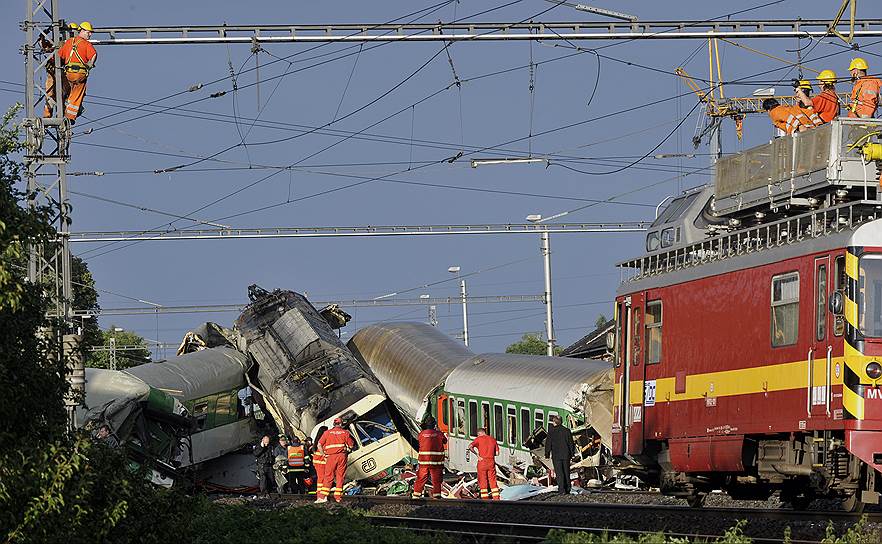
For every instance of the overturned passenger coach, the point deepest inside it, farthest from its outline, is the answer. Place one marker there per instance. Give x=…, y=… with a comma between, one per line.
x=425, y=372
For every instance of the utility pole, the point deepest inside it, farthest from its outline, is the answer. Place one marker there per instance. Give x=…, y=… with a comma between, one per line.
x=465, y=310
x=46, y=155
x=465, y=313
x=433, y=315
x=549, y=323
x=113, y=352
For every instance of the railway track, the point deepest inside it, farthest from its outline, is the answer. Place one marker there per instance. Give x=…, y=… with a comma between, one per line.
x=531, y=520
x=522, y=532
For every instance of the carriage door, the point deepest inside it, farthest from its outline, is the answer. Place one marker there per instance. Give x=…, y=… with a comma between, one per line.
x=820, y=354
x=636, y=414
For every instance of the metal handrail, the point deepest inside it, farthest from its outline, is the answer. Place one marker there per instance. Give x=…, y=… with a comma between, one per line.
x=790, y=230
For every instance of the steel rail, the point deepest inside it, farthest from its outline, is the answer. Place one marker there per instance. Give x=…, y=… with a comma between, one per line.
x=354, y=303
x=477, y=31
x=366, y=231
x=532, y=532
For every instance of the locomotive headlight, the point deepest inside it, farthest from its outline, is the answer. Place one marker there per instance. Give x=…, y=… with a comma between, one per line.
x=874, y=370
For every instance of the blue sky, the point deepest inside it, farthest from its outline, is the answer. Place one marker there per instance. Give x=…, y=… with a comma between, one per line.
x=486, y=111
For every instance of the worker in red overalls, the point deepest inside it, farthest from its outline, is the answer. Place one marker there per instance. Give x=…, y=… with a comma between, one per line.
x=431, y=458
x=486, y=448
x=336, y=445
x=319, y=461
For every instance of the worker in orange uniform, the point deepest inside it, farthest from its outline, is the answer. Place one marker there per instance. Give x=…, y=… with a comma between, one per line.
x=296, y=466
x=431, y=458
x=336, y=445
x=77, y=57
x=319, y=461
x=803, y=91
x=789, y=119
x=826, y=104
x=486, y=448
x=866, y=90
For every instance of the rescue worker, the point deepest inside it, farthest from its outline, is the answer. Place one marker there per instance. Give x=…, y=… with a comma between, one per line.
x=559, y=447
x=431, y=459
x=486, y=448
x=296, y=467
x=319, y=461
x=803, y=91
x=309, y=468
x=77, y=57
x=826, y=104
x=280, y=464
x=866, y=90
x=336, y=445
x=788, y=119
x=263, y=454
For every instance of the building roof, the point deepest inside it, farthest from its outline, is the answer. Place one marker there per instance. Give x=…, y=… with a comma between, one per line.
x=592, y=345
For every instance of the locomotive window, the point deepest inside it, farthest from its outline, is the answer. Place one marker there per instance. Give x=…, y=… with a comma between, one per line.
x=460, y=417
x=869, y=296
x=485, y=417
x=653, y=324
x=821, y=300
x=652, y=241
x=451, y=409
x=512, y=426
x=839, y=282
x=667, y=237
x=785, y=309
x=540, y=420
x=473, y=418
x=498, y=423
x=525, y=424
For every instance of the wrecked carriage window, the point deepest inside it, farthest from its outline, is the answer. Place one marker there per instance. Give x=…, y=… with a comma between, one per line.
x=498, y=423
x=460, y=417
x=375, y=425
x=473, y=418
x=512, y=426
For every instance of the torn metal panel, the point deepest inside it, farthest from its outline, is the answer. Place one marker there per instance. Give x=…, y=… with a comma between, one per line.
x=207, y=335
x=410, y=360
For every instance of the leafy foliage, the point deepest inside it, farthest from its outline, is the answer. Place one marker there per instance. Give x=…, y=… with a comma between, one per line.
x=531, y=344
x=136, y=351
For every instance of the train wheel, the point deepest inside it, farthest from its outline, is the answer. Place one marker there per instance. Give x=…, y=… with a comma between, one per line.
x=696, y=500
x=852, y=503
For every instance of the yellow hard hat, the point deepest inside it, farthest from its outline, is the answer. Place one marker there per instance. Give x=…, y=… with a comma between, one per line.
x=74, y=26
x=86, y=25
x=858, y=63
x=827, y=76
x=805, y=84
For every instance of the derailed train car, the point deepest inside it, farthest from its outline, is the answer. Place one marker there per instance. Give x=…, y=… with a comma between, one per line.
x=305, y=377
x=426, y=372
x=124, y=411
x=178, y=417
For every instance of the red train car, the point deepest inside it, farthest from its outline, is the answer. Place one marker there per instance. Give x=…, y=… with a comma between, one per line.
x=749, y=358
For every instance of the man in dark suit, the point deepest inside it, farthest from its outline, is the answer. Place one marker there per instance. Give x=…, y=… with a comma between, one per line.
x=559, y=447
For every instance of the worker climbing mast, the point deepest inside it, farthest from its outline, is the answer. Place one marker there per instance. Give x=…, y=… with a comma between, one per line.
x=46, y=156
x=77, y=58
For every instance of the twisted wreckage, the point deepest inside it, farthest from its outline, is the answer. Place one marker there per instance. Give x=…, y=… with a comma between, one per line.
x=283, y=367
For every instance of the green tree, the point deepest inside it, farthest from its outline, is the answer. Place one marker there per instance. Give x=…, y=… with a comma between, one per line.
x=85, y=297
x=531, y=343
x=131, y=349
x=600, y=321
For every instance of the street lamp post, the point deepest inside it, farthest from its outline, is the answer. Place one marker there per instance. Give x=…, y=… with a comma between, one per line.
x=465, y=310
x=546, y=257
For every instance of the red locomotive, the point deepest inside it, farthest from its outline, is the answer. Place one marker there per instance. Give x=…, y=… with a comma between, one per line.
x=749, y=336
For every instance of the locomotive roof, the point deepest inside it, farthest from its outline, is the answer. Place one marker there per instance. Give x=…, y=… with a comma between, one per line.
x=851, y=224
x=197, y=374
x=534, y=379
